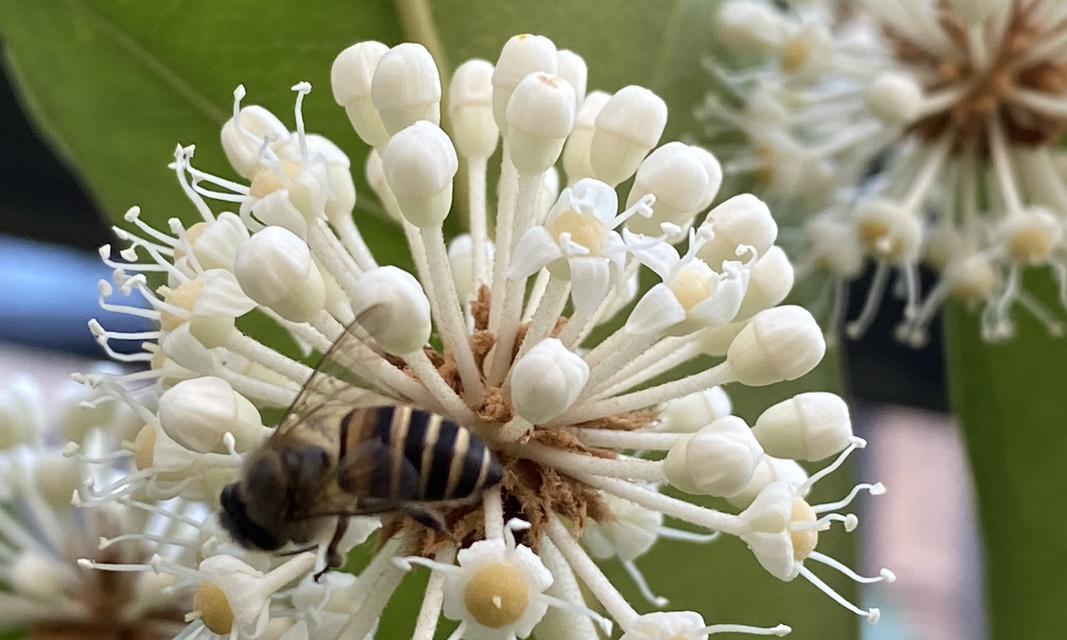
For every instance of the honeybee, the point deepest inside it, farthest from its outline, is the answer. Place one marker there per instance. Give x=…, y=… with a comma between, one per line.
x=330, y=459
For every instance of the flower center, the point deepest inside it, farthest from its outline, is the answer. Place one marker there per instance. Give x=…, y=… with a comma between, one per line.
x=879, y=239
x=267, y=181
x=183, y=297
x=497, y=595
x=1031, y=244
x=583, y=229
x=804, y=541
x=214, y=608
x=692, y=286
x=972, y=280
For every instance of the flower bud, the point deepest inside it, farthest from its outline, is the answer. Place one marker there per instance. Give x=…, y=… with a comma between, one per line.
x=351, y=77
x=419, y=164
x=768, y=471
x=197, y=413
x=21, y=413
x=718, y=460
x=808, y=426
x=392, y=307
x=678, y=178
x=626, y=129
x=779, y=344
x=715, y=341
x=769, y=282
x=215, y=243
x=547, y=380
x=406, y=87
x=540, y=116
x=695, y=411
x=628, y=535
x=888, y=231
x=1029, y=238
x=576, y=152
x=894, y=98
x=37, y=578
x=521, y=55
x=572, y=68
x=275, y=268
x=741, y=220
x=835, y=246
x=56, y=477
x=749, y=27
x=470, y=109
x=244, y=148
x=375, y=174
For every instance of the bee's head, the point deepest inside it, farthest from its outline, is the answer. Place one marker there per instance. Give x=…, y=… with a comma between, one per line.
x=255, y=509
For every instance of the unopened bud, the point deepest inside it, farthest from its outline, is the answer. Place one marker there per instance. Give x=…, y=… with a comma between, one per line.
x=461, y=259
x=718, y=460
x=572, y=68
x=779, y=344
x=419, y=164
x=540, y=116
x=521, y=55
x=198, y=413
x=808, y=426
x=768, y=471
x=695, y=411
x=393, y=309
x=894, y=98
x=626, y=129
x=547, y=380
x=244, y=145
x=351, y=77
x=769, y=282
x=275, y=268
x=576, y=161
x=406, y=87
x=750, y=27
x=679, y=180
x=741, y=220
x=470, y=109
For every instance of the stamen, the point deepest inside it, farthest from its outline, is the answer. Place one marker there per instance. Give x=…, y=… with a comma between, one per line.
x=875, y=489
x=780, y=630
x=871, y=614
x=855, y=443
x=642, y=585
x=302, y=89
x=885, y=575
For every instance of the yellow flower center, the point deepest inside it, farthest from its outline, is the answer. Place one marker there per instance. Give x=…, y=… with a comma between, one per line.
x=214, y=609
x=691, y=286
x=183, y=297
x=584, y=230
x=267, y=181
x=803, y=541
x=1031, y=245
x=879, y=240
x=497, y=595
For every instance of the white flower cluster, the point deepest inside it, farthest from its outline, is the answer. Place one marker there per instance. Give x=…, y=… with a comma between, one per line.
x=565, y=416
x=908, y=132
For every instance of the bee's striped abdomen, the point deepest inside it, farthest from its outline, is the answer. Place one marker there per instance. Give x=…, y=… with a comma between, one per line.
x=418, y=456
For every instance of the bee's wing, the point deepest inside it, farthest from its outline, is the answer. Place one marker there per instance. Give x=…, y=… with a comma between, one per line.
x=336, y=387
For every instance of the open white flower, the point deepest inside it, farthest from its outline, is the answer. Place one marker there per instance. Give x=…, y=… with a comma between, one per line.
x=465, y=334
x=895, y=129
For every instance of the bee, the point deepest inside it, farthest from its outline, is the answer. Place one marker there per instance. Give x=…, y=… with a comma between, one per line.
x=330, y=459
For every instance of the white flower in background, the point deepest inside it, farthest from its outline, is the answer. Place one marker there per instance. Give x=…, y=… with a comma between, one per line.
x=908, y=133
x=570, y=418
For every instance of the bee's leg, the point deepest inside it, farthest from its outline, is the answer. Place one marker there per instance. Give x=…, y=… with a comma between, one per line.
x=427, y=518
x=334, y=559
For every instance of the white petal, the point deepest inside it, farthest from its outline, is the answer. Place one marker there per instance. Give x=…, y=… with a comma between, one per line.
x=535, y=249
x=596, y=198
x=590, y=279
x=661, y=257
x=222, y=296
x=656, y=311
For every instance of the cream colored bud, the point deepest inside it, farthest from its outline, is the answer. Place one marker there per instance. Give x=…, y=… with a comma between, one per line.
x=351, y=77
x=274, y=267
x=243, y=145
x=741, y=220
x=769, y=282
x=808, y=426
x=392, y=307
x=894, y=98
x=470, y=109
x=679, y=180
x=461, y=259
x=888, y=231
x=406, y=87
x=576, y=161
x=375, y=173
x=714, y=171
x=695, y=411
x=718, y=460
x=521, y=55
x=750, y=27
x=56, y=477
x=199, y=412
x=420, y=163
x=779, y=344
x=626, y=129
x=547, y=380
x=572, y=68
x=540, y=116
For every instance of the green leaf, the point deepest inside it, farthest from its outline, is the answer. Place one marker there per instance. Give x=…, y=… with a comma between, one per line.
x=115, y=84
x=1008, y=400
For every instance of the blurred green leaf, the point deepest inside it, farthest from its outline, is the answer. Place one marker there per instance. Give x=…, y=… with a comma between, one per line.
x=1016, y=431
x=116, y=84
